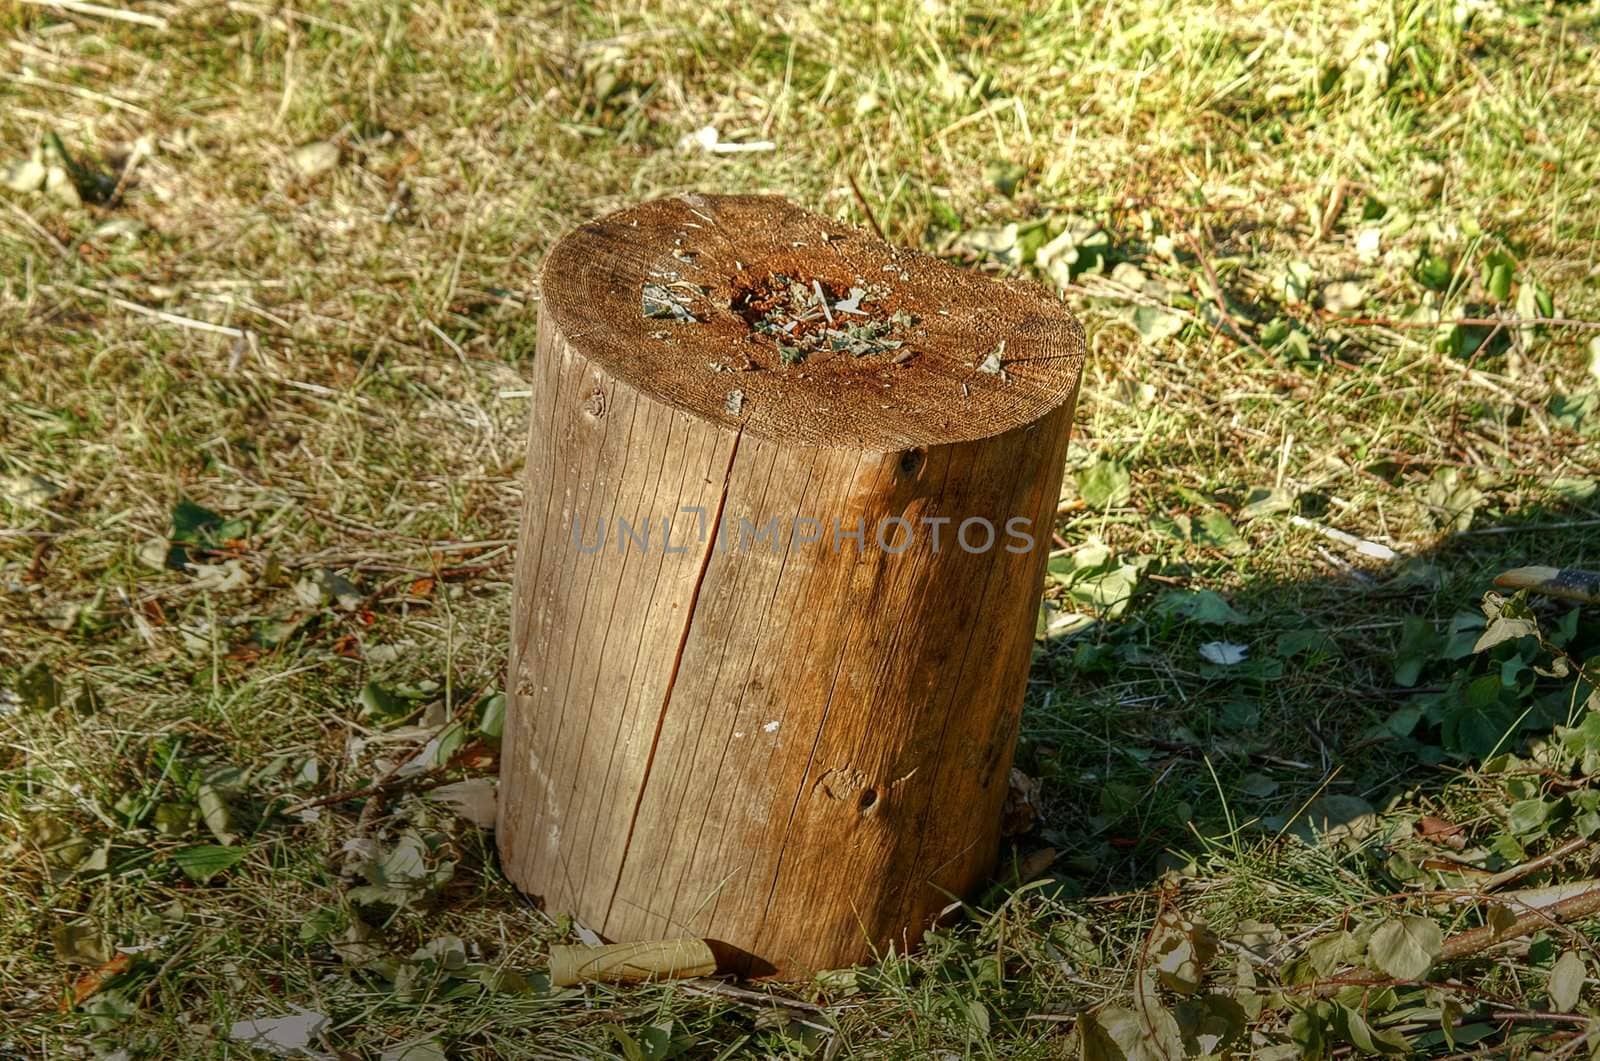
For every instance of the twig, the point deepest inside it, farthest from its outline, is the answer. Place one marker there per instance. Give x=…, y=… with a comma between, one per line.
x=1516, y=873
x=416, y=782
x=75, y=90
x=1335, y=207
x=1466, y=944
x=135, y=157
x=1360, y=545
x=162, y=315
x=39, y=229
x=865, y=209
x=1534, y=1015
x=461, y=355
x=744, y=996
x=80, y=7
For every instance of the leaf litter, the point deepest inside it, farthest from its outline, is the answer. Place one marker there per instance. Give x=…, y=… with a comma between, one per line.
x=804, y=319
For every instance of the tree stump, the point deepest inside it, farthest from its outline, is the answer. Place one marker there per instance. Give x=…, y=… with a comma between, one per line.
x=789, y=494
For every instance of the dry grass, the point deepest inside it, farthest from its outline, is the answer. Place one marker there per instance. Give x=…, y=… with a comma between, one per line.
x=337, y=362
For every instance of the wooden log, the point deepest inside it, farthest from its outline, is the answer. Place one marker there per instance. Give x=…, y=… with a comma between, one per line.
x=789, y=494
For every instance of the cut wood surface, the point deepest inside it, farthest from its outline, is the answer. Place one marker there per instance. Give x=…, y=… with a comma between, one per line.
x=627, y=963
x=779, y=564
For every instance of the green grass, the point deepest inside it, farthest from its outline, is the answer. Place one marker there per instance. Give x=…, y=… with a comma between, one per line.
x=1257, y=353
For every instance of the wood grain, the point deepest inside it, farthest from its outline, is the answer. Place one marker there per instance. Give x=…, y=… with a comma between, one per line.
x=796, y=748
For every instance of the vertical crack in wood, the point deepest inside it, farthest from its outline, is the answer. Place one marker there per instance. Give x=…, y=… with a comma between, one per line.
x=677, y=662
x=638, y=651
x=733, y=722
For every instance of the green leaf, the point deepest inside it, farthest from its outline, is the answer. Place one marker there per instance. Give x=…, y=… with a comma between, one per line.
x=383, y=702
x=1575, y=412
x=1217, y=530
x=1239, y=715
x=1093, y=576
x=320, y=924
x=1212, y=1022
x=1105, y=483
x=1265, y=501
x=214, y=812
x=977, y=1017
x=197, y=525
x=1533, y=303
x=994, y=241
x=1117, y=1034
x=1419, y=646
x=1453, y=500
x=1202, y=606
x=1297, y=280
x=429, y=1049
x=1080, y=247
x=1334, y=817
x=1528, y=816
x=1498, y=269
x=1434, y=272
x=204, y=861
x=1566, y=982
x=1406, y=948
x=1477, y=720
x=1293, y=642
x=1307, y=1030
x=1352, y=1027
x=492, y=717
x=1155, y=324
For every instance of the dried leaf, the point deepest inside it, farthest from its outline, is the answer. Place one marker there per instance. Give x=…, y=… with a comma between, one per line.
x=473, y=799
x=1181, y=949
x=286, y=1036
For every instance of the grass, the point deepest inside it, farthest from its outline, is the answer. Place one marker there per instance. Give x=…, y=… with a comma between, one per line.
x=1268, y=211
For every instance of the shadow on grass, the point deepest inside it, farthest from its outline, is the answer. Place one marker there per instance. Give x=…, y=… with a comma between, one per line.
x=1322, y=699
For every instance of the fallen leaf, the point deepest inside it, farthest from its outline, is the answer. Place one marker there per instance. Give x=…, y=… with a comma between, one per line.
x=285, y=1036
x=80, y=943
x=1406, y=947
x=1104, y=483
x=91, y=982
x=1021, y=810
x=204, y=861
x=473, y=799
x=1440, y=831
x=314, y=159
x=1566, y=981
x=1224, y=653
x=1181, y=949
x=1033, y=866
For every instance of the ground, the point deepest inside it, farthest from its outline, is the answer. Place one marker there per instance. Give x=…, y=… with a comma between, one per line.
x=261, y=405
